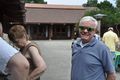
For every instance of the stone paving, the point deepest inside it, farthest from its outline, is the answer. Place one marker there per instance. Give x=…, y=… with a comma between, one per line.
x=57, y=54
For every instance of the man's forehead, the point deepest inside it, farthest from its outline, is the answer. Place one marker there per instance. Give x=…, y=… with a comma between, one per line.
x=88, y=23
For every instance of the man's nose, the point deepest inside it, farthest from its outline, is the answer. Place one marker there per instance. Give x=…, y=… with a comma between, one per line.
x=85, y=30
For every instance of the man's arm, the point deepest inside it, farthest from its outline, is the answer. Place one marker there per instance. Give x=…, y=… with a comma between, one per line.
x=18, y=67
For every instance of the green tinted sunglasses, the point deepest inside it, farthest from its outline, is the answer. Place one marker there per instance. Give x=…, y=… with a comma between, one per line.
x=88, y=28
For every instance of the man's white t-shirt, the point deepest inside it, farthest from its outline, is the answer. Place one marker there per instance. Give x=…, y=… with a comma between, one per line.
x=6, y=52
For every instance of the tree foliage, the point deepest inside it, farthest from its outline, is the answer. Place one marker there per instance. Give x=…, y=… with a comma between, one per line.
x=118, y=3
x=91, y=3
x=35, y=1
x=113, y=13
x=105, y=5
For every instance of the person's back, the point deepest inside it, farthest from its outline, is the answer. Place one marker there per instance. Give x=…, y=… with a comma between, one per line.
x=110, y=39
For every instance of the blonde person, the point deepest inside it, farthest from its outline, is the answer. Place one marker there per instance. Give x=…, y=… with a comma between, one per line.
x=18, y=36
x=110, y=38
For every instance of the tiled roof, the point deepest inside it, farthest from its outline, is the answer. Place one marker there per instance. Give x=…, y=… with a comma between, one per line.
x=48, y=13
x=53, y=6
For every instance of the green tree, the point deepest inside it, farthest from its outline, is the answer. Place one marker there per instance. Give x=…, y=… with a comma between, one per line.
x=92, y=3
x=35, y=1
x=118, y=3
x=105, y=5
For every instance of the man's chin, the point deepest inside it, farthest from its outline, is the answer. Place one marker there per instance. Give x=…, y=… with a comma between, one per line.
x=85, y=38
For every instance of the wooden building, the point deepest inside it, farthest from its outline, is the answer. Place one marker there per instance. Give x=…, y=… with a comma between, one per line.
x=11, y=12
x=45, y=21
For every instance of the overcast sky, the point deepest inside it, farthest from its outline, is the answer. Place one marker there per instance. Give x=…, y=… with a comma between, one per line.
x=72, y=2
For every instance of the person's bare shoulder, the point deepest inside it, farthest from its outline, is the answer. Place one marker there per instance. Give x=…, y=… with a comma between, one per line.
x=18, y=60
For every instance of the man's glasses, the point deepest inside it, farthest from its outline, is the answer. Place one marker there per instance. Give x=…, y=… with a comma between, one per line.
x=88, y=28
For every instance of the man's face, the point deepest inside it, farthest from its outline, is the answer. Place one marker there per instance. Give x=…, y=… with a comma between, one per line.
x=87, y=31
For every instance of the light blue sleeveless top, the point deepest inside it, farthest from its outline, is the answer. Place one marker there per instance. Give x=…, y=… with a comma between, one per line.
x=6, y=52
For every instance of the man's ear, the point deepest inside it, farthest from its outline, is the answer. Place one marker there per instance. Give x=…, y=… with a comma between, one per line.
x=95, y=30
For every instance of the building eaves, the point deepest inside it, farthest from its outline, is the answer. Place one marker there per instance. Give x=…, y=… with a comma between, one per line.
x=53, y=6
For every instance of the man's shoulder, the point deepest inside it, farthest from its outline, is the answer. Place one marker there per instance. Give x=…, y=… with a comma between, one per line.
x=108, y=33
x=101, y=45
x=76, y=41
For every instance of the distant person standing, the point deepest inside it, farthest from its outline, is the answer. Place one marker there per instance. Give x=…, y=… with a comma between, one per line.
x=4, y=35
x=110, y=38
x=97, y=36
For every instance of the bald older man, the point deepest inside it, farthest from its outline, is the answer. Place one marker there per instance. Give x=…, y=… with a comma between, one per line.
x=90, y=57
x=12, y=62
